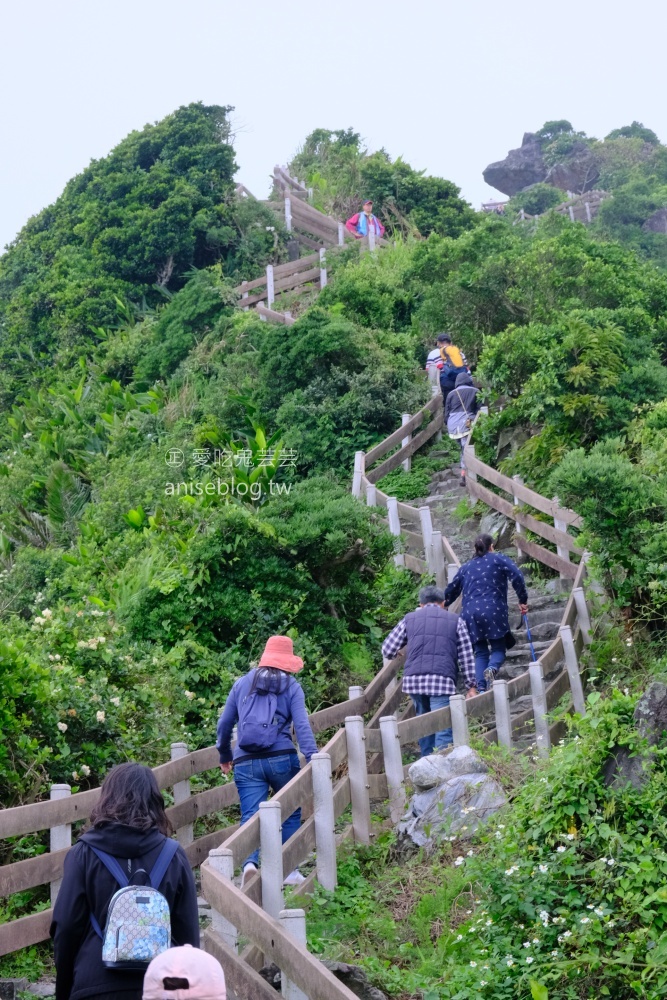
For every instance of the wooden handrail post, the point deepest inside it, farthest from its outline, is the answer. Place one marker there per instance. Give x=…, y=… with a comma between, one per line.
x=185, y=834
x=470, y=450
x=288, y=214
x=358, y=771
x=270, y=292
x=323, y=808
x=393, y=767
x=434, y=379
x=452, y=570
x=294, y=922
x=426, y=521
x=371, y=237
x=355, y=691
x=359, y=469
x=572, y=664
x=391, y=686
x=406, y=464
x=244, y=295
x=562, y=552
x=395, y=527
x=323, y=268
x=221, y=860
x=583, y=615
x=518, y=528
x=271, y=868
x=371, y=495
x=459, y=713
x=501, y=701
x=341, y=234
x=438, y=556
x=60, y=837
x=539, y=696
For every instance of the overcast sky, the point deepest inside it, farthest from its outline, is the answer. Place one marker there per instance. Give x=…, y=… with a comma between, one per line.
x=450, y=86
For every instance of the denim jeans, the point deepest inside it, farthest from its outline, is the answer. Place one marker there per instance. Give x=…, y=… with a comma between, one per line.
x=254, y=779
x=429, y=703
x=483, y=659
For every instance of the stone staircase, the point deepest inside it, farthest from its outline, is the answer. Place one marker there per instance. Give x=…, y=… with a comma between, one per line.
x=545, y=597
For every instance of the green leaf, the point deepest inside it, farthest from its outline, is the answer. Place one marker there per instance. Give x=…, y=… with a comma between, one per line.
x=538, y=991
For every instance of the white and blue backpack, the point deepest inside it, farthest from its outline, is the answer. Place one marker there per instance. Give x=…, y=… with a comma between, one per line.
x=138, y=924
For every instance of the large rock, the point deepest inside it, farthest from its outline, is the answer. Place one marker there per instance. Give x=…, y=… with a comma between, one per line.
x=427, y=772
x=578, y=172
x=520, y=168
x=510, y=440
x=456, y=808
x=501, y=529
x=622, y=768
x=657, y=223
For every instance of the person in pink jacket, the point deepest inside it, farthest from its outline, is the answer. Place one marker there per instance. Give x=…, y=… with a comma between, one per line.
x=359, y=224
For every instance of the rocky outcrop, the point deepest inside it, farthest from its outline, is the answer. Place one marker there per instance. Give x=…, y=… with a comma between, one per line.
x=623, y=768
x=578, y=172
x=500, y=528
x=520, y=168
x=454, y=796
x=356, y=980
x=657, y=223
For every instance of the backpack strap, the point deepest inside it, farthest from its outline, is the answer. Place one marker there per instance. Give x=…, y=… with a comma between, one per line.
x=164, y=859
x=112, y=866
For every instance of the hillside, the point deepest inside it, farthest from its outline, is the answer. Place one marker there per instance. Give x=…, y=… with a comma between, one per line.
x=174, y=472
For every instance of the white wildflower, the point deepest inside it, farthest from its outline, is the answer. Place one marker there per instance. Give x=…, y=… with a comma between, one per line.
x=75, y=775
x=85, y=770
x=115, y=701
x=560, y=849
x=544, y=869
x=585, y=920
x=599, y=911
x=610, y=862
x=529, y=960
x=570, y=836
x=554, y=953
x=459, y=861
x=473, y=965
x=510, y=962
x=459, y=937
x=536, y=940
x=100, y=716
x=526, y=944
x=189, y=695
x=62, y=726
x=56, y=657
x=47, y=613
x=470, y=853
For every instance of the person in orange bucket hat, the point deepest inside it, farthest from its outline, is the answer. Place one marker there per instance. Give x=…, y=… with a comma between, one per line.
x=264, y=704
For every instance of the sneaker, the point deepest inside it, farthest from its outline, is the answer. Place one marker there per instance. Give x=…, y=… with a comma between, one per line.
x=489, y=677
x=294, y=878
x=248, y=871
x=463, y=482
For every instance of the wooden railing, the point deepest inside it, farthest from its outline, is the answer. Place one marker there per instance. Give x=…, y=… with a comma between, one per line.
x=59, y=814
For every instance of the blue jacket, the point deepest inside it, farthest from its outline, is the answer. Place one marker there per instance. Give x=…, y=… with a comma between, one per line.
x=291, y=708
x=483, y=581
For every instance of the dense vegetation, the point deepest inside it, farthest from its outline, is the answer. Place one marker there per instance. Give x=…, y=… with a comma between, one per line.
x=343, y=174
x=130, y=600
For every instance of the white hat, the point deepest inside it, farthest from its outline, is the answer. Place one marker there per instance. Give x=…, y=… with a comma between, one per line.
x=185, y=973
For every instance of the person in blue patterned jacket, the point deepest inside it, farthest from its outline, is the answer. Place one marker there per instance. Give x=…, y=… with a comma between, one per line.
x=483, y=581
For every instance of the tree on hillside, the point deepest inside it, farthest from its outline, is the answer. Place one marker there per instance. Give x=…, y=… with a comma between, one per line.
x=160, y=204
x=343, y=173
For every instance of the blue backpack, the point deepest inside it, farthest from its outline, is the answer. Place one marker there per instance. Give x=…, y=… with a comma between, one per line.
x=138, y=924
x=258, y=726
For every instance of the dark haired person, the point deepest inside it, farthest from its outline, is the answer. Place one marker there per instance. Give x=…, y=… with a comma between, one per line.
x=263, y=765
x=450, y=362
x=360, y=224
x=460, y=409
x=129, y=822
x=483, y=581
x=438, y=647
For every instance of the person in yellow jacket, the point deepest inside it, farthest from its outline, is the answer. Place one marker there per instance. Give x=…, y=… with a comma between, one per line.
x=450, y=361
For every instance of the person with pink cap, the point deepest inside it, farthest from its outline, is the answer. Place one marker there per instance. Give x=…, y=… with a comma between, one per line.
x=184, y=974
x=264, y=704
